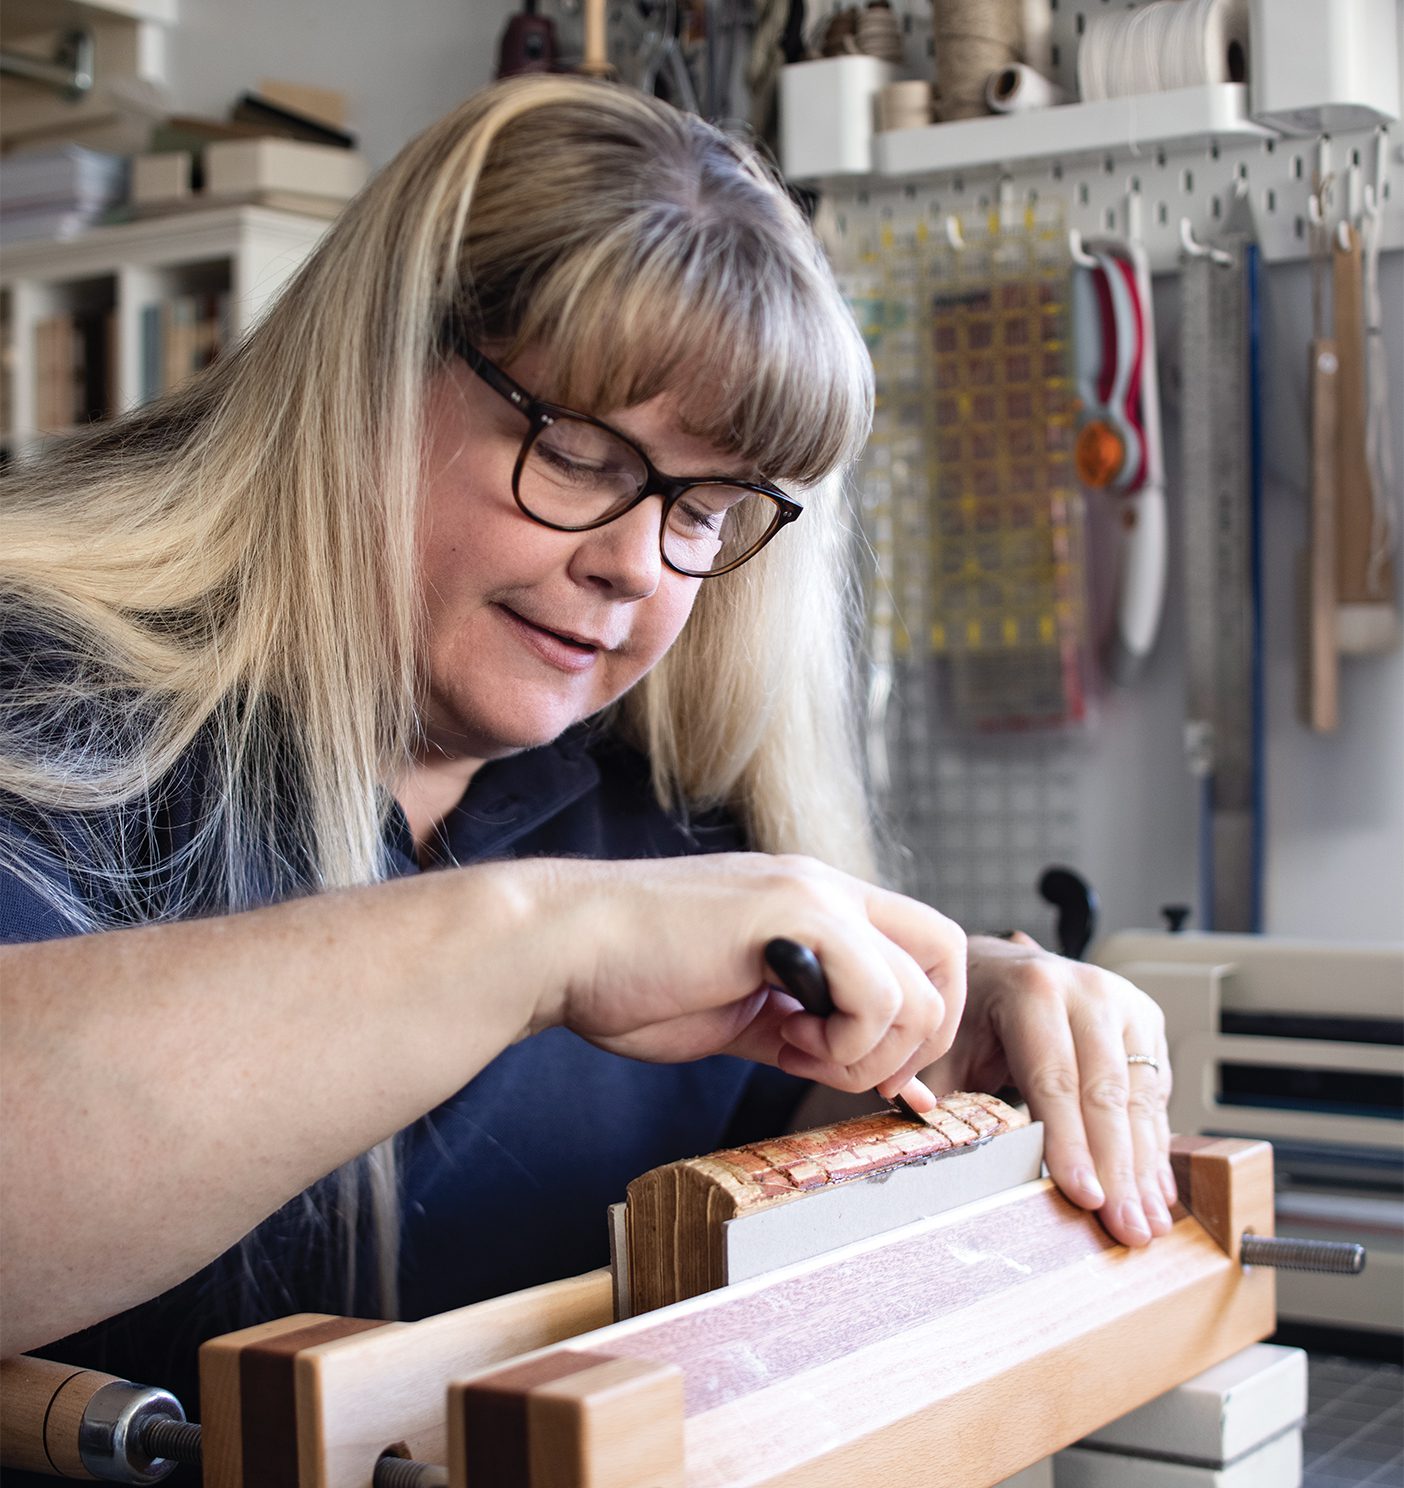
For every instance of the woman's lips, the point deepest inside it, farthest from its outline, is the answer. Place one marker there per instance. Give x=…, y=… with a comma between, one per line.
x=565, y=655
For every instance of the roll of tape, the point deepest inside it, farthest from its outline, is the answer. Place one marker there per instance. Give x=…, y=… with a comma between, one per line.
x=1166, y=44
x=1018, y=88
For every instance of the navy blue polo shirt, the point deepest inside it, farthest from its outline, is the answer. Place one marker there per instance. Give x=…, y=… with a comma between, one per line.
x=506, y=1184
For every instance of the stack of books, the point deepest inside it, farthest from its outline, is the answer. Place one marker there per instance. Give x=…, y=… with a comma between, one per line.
x=58, y=193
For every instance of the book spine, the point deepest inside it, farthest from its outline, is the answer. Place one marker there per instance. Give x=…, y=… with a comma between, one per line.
x=152, y=374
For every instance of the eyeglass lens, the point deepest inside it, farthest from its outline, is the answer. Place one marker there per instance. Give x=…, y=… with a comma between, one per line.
x=577, y=474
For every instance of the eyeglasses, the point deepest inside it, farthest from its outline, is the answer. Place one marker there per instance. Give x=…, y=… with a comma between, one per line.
x=575, y=473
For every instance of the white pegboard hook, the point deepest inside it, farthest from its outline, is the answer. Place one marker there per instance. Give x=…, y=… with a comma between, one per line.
x=954, y=236
x=1133, y=213
x=1077, y=252
x=1373, y=194
x=1195, y=249
x=1004, y=200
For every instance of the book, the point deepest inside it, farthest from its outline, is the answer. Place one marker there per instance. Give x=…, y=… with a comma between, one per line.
x=676, y=1217
x=238, y=168
x=277, y=119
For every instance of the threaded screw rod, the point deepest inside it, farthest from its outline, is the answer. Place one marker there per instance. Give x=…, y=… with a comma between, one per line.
x=402, y=1472
x=175, y=1441
x=1338, y=1257
x=179, y=1441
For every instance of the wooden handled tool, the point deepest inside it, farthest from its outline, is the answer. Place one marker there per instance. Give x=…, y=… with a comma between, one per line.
x=78, y=1423
x=595, y=59
x=1366, y=619
x=1321, y=695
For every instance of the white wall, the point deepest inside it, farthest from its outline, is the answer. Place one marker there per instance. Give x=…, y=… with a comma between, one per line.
x=401, y=63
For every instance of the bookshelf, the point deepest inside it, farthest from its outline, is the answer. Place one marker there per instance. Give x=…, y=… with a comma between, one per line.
x=231, y=261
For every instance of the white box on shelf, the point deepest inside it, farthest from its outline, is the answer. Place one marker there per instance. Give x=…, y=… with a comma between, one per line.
x=1276, y=1464
x=1325, y=66
x=161, y=178
x=1222, y=1413
x=827, y=115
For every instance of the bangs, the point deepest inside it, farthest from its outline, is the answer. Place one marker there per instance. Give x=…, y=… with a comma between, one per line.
x=759, y=349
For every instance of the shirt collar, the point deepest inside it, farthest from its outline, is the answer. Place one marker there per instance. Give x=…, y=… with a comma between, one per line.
x=505, y=800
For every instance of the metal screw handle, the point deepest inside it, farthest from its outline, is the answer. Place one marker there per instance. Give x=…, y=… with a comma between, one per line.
x=1337, y=1256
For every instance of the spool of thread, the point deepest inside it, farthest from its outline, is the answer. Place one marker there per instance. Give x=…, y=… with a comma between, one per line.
x=1166, y=44
x=1018, y=88
x=879, y=34
x=972, y=39
x=840, y=38
x=904, y=105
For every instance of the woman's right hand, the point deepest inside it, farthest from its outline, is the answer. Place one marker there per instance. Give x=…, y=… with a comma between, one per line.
x=663, y=960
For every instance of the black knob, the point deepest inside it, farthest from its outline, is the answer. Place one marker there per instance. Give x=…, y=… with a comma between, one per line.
x=1071, y=895
x=1175, y=916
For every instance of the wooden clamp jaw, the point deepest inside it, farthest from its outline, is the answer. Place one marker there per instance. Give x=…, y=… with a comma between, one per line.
x=347, y=1400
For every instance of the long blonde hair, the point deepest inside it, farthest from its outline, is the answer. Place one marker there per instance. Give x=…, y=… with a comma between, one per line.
x=230, y=571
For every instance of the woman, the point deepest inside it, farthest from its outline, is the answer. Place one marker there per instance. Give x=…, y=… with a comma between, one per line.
x=368, y=599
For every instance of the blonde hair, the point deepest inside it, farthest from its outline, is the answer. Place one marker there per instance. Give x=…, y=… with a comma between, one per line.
x=230, y=571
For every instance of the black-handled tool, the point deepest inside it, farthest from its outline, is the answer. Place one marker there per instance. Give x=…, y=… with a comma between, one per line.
x=801, y=975
x=799, y=972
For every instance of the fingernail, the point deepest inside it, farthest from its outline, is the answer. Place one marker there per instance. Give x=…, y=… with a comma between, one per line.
x=1133, y=1218
x=1085, y=1181
x=1168, y=1186
x=1158, y=1212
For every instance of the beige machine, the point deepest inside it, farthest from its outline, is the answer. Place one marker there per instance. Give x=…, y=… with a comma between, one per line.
x=1297, y=1043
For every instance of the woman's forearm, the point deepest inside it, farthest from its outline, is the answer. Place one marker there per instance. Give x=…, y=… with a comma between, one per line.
x=164, y=1089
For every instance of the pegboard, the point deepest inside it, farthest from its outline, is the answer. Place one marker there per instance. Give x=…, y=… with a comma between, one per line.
x=1148, y=189
x=982, y=816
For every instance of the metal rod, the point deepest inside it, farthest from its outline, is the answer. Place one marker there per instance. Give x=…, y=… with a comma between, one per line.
x=1337, y=1256
x=70, y=73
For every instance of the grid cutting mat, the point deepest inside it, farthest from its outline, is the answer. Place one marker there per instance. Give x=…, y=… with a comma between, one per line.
x=1353, y=1436
x=973, y=509
x=978, y=624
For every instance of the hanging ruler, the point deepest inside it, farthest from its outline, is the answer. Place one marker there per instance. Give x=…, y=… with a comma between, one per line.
x=1223, y=705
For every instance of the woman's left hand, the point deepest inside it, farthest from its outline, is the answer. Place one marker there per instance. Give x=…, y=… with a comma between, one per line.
x=1061, y=1031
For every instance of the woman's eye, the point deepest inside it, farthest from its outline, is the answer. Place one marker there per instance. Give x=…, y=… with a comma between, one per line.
x=568, y=464
x=700, y=517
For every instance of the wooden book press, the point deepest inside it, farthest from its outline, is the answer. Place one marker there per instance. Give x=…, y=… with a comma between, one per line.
x=903, y=1301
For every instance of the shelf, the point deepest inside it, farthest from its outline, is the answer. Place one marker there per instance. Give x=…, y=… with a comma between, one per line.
x=178, y=237
x=31, y=17
x=244, y=254
x=1183, y=119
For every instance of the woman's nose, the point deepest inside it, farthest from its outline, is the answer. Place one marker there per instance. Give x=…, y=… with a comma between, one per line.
x=624, y=555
